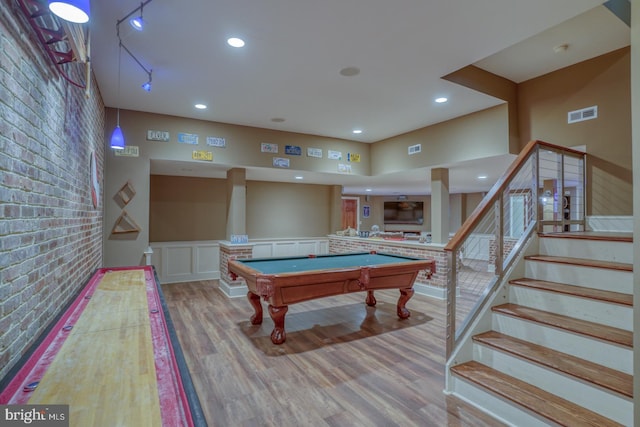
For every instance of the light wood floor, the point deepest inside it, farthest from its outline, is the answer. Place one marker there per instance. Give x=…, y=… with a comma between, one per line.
x=343, y=364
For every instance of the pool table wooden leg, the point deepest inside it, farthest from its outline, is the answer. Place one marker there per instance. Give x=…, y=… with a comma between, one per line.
x=254, y=299
x=405, y=295
x=278, y=335
x=370, y=300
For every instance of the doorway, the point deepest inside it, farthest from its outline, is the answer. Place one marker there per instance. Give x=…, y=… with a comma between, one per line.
x=350, y=212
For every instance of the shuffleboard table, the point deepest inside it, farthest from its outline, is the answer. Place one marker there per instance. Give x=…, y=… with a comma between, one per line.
x=284, y=281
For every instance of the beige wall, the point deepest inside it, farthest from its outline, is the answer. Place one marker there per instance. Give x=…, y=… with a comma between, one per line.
x=544, y=102
x=242, y=150
x=474, y=136
x=499, y=87
x=276, y=209
x=186, y=208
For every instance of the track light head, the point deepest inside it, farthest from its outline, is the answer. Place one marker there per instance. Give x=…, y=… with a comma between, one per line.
x=137, y=23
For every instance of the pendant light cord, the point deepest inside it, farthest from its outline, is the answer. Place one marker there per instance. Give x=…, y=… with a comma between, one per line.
x=119, y=59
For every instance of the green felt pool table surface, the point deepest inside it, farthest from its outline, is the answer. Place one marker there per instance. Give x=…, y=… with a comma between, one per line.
x=322, y=262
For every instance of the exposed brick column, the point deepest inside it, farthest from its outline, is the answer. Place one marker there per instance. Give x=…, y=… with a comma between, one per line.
x=233, y=288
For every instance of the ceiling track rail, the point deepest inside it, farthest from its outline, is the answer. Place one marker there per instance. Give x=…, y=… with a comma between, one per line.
x=51, y=35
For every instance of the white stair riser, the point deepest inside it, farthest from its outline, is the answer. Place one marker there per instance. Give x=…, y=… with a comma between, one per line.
x=596, y=351
x=604, y=402
x=503, y=410
x=605, y=313
x=596, y=278
x=590, y=249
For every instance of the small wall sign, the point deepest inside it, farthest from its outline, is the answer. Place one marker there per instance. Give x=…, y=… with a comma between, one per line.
x=214, y=141
x=280, y=162
x=188, y=138
x=128, y=151
x=202, y=155
x=293, y=150
x=158, y=135
x=266, y=147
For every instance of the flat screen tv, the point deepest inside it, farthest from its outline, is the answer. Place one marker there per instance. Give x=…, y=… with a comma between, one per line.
x=404, y=212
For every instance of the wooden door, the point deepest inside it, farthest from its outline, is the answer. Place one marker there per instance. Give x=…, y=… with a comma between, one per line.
x=349, y=213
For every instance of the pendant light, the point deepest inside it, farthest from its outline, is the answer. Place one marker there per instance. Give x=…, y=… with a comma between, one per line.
x=76, y=11
x=117, y=137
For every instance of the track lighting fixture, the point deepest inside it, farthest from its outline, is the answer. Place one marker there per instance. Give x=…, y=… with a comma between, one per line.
x=147, y=86
x=138, y=23
x=117, y=137
x=76, y=11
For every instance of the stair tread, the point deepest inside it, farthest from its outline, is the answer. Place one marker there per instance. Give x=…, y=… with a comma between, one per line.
x=548, y=405
x=592, y=235
x=591, y=329
x=578, y=291
x=585, y=262
x=586, y=370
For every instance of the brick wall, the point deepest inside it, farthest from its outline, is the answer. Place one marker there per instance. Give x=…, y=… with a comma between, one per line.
x=50, y=232
x=340, y=245
x=228, y=252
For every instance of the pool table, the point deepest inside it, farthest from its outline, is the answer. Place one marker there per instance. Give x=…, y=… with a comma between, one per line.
x=284, y=281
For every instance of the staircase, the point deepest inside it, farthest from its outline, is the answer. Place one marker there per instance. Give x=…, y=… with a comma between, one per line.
x=560, y=350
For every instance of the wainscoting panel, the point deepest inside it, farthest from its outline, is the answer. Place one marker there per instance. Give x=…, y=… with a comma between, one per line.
x=186, y=261
x=289, y=247
x=200, y=260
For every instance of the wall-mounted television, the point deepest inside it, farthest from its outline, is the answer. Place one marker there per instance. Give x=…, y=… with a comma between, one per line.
x=403, y=212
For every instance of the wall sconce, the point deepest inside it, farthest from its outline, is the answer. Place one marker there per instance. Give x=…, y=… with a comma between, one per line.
x=76, y=11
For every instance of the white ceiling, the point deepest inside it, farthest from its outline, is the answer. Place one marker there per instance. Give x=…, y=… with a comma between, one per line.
x=295, y=49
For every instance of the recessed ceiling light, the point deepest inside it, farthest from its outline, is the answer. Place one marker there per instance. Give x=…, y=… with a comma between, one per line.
x=357, y=131
x=235, y=42
x=482, y=176
x=350, y=71
x=201, y=106
x=441, y=100
x=299, y=177
x=368, y=190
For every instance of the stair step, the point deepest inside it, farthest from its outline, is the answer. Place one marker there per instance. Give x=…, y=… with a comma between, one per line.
x=605, y=377
x=594, y=330
x=583, y=262
x=578, y=291
x=541, y=402
x=592, y=235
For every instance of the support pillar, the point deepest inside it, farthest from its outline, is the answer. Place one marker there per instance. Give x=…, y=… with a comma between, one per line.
x=440, y=205
x=335, y=206
x=236, y=202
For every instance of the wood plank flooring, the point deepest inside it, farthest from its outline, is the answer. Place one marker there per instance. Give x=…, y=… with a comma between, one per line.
x=343, y=364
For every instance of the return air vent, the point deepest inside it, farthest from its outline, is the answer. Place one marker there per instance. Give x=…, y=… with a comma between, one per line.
x=582, y=115
x=415, y=149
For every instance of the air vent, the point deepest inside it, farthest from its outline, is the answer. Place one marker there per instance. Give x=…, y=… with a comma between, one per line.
x=415, y=149
x=582, y=115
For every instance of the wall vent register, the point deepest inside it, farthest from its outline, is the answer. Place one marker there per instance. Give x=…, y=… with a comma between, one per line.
x=583, y=114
